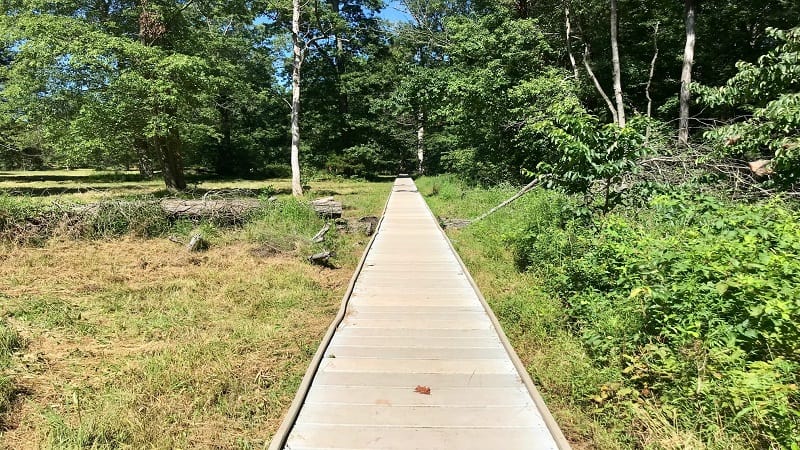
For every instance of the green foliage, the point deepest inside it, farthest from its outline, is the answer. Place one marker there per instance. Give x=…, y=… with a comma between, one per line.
x=694, y=303
x=587, y=152
x=496, y=67
x=363, y=161
x=144, y=85
x=769, y=91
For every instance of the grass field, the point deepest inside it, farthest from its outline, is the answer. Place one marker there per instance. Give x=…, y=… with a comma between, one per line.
x=132, y=342
x=87, y=185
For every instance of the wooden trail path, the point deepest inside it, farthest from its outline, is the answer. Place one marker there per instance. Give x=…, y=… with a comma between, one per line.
x=415, y=359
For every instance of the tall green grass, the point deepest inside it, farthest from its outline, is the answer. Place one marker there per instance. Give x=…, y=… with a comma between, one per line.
x=669, y=326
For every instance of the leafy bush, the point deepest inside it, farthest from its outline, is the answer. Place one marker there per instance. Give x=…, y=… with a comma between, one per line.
x=695, y=302
x=274, y=171
x=588, y=153
x=768, y=91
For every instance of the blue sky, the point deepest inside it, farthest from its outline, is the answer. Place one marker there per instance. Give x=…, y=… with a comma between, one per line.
x=395, y=11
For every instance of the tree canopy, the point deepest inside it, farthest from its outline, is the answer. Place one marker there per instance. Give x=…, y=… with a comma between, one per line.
x=487, y=89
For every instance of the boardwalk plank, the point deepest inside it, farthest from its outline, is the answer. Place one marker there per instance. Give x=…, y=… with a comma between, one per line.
x=308, y=436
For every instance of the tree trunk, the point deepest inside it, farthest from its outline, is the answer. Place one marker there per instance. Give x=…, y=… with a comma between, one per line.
x=616, y=68
x=569, y=41
x=686, y=74
x=421, y=141
x=652, y=71
x=144, y=156
x=650, y=81
x=588, y=66
x=152, y=30
x=297, y=187
x=226, y=161
x=597, y=85
x=171, y=160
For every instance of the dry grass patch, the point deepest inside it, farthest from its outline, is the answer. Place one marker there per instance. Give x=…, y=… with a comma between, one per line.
x=136, y=343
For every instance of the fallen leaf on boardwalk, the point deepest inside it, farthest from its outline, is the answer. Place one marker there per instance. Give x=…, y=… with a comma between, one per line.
x=423, y=390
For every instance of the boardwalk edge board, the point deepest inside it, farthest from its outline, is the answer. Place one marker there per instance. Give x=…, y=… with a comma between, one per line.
x=549, y=420
x=282, y=434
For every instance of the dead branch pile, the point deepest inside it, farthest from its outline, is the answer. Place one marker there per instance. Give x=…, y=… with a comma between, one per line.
x=742, y=179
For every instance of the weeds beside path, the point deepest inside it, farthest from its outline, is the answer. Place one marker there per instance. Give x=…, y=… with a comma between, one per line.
x=671, y=325
x=533, y=321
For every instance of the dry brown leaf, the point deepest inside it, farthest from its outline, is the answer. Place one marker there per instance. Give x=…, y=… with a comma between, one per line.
x=423, y=390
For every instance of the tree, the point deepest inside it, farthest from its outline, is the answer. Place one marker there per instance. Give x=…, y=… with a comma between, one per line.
x=686, y=73
x=769, y=91
x=615, y=64
x=297, y=62
x=107, y=87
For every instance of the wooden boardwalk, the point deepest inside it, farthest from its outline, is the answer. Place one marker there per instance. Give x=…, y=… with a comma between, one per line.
x=416, y=360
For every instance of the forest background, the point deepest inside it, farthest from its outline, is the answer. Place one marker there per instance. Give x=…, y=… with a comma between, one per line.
x=667, y=135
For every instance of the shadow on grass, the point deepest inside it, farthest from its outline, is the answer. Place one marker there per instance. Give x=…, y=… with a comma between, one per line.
x=51, y=191
x=32, y=177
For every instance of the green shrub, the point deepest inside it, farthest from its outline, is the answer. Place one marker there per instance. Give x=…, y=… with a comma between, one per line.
x=113, y=218
x=695, y=301
x=768, y=91
x=275, y=171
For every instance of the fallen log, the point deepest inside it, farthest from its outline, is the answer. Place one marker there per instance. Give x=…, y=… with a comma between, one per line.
x=321, y=259
x=225, y=210
x=209, y=209
x=197, y=243
x=327, y=207
x=320, y=236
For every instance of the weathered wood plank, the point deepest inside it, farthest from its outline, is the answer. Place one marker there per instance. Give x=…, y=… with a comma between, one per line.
x=315, y=436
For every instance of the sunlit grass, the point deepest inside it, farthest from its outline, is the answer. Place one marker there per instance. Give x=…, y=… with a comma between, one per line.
x=134, y=342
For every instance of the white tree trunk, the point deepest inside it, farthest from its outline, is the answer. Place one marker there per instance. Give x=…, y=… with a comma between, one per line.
x=616, y=68
x=650, y=82
x=297, y=187
x=569, y=41
x=686, y=74
x=421, y=141
x=652, y=71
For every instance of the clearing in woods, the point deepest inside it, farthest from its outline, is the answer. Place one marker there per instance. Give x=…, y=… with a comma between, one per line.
x=132, y=341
